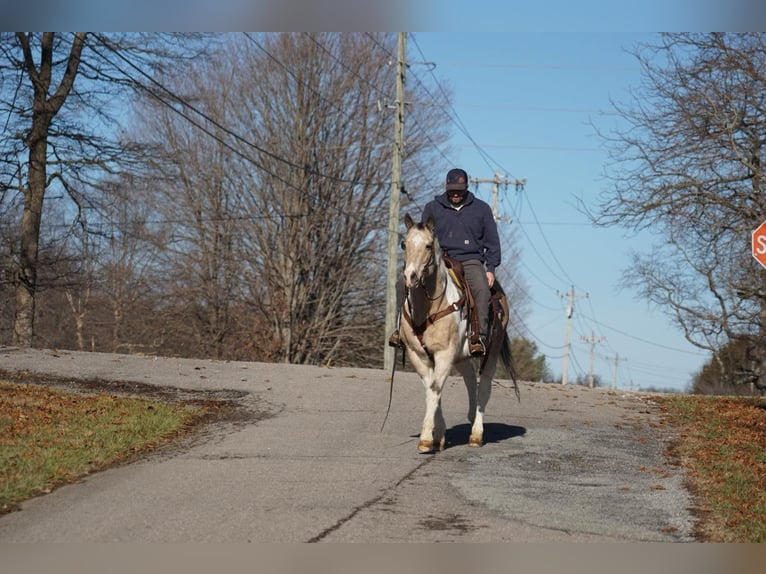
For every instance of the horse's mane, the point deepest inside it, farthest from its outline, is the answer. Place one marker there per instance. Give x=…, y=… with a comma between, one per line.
x=438, y=252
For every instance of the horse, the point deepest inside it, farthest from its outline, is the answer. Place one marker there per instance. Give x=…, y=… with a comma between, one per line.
x=434, y=330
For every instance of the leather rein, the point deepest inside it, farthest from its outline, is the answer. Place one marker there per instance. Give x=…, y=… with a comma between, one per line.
x=419, y=330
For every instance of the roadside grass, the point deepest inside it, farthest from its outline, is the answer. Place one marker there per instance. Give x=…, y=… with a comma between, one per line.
x=723, y=448
x=50, y=437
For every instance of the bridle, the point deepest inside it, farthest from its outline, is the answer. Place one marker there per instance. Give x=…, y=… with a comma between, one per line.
x=419, y=330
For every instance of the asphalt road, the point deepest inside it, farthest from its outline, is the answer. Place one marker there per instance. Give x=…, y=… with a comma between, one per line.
x=304, y=460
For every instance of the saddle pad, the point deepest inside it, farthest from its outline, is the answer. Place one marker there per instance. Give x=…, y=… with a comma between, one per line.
x=457, y=279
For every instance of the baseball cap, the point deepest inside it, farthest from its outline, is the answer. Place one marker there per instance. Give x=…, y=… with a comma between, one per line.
x=457, y=180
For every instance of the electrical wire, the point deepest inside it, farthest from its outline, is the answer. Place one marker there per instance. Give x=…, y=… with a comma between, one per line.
x=174, y=97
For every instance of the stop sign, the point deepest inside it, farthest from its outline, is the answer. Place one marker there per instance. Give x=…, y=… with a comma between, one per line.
x=758, y=245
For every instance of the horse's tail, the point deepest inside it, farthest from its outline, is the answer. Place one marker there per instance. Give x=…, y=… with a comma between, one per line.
x=507, y=359
x=501, y=308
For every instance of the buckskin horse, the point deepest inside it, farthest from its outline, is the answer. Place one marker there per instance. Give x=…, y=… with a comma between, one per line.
x=434, y=330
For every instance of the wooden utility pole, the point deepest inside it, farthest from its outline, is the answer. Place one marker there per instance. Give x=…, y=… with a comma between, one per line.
x=567, y=340
x=496, y=182
x=393, y=211
x=592, y=340
x=617, y=360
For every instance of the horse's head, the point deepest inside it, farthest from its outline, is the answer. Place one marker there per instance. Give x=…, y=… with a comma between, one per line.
x=421, y=249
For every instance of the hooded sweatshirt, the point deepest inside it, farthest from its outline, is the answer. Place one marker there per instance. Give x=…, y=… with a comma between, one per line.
x=467, y=231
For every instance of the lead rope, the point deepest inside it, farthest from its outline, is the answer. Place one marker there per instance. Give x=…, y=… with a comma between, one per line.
x=390, y=390
x=393, y=368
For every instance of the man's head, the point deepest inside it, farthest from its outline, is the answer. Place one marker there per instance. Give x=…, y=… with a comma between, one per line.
x=457, y=185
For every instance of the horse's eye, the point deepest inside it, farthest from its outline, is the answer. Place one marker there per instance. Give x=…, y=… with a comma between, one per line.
x=430, y=246
x=403, y=246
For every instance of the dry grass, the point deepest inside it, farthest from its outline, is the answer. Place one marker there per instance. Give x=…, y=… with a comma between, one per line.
x=723, y=448
x=49, y=437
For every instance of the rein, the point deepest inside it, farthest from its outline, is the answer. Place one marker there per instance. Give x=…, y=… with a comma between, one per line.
x=419, y=330
x=444, y=290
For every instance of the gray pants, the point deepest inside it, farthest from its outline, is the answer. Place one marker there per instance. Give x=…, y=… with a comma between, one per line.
x=476, y=276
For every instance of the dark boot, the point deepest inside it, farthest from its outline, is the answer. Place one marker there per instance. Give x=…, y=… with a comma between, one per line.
x=395, y=341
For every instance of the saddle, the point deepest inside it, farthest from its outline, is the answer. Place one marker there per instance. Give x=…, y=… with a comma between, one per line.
x=498, y=302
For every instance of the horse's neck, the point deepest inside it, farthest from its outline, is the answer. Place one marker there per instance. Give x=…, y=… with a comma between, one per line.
x=436, y=293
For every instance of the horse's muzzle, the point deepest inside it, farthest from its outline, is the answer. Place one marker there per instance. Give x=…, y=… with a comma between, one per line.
x=411, y=278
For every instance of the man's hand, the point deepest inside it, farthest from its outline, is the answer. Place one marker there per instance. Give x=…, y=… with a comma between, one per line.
x=490, y=279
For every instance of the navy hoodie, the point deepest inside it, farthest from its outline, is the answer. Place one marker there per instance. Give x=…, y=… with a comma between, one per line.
x=466, y=233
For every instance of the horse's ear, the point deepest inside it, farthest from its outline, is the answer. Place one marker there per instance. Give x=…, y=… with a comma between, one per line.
x=430, y=223
x=408, y=221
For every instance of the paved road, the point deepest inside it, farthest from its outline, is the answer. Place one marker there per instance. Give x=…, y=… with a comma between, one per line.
x=305, y=460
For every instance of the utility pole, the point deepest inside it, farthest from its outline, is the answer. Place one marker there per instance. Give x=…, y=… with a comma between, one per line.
x=393, y=210
x=567, y=340
x=496, y=183
x=592, y=340
x=617, y=360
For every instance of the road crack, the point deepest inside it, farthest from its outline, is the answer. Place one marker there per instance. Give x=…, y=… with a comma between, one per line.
x=373, y=501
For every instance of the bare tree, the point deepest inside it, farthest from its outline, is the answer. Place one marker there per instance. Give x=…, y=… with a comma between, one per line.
x=321, y=194
x=47, y=99
x=688, y=166
x=279, y=160
x=198, y=197
x=128, y=270
x=728, y=372
x=58, y=94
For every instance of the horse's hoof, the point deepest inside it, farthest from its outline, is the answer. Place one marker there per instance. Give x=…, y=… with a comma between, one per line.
x=425, y=446
x=475, y=441
x=441, y=445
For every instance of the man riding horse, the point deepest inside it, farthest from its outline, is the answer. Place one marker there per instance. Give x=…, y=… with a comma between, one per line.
x=467, y=232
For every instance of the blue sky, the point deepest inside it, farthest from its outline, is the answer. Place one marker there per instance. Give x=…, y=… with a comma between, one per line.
x=528, y=99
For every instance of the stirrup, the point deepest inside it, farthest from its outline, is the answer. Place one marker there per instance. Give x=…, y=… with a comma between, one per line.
x=395, y=341
x=478, y=348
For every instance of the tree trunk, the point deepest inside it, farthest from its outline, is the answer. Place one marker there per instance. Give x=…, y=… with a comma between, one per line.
x=44, y=108
x=26, y=284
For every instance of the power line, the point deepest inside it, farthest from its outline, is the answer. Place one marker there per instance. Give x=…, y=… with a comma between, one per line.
x=184, y=105
x=550, y=259
x=487, y=158
x=104, y=41
x=646, y=341
x=459, y=122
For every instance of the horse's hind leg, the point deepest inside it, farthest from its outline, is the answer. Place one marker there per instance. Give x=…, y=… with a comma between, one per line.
x=467, y=371
x=477, y=401
x=483, y=392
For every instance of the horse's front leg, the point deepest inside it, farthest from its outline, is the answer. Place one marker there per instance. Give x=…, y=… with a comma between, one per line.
x=431, y=435
x=434, y=427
